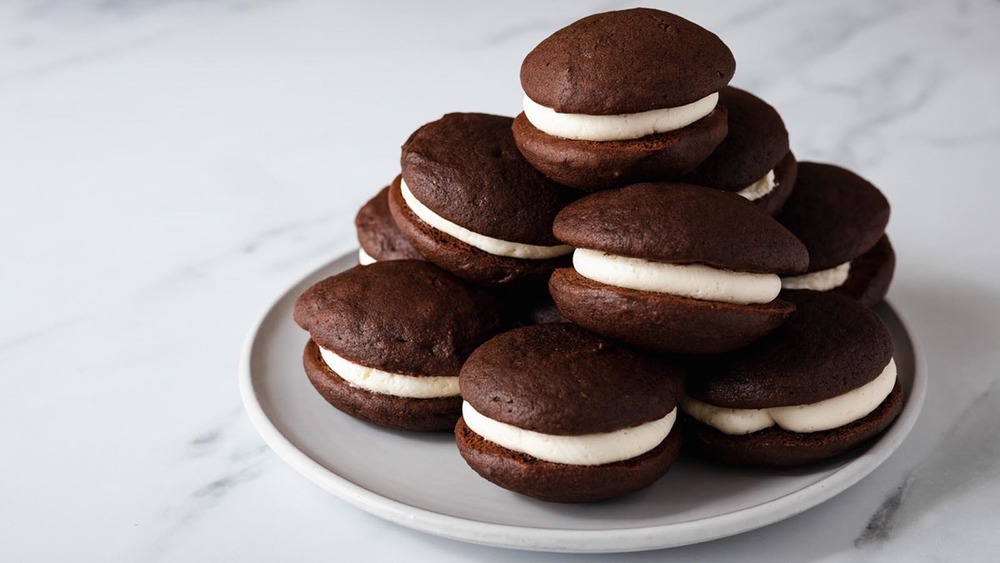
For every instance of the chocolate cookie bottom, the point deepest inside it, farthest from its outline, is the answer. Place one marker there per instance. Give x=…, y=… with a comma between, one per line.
x=403, y=413
x=785, y=173
x=378, y=234
x=662, y=322
x=598, y=165
x=559, y=482
x=869, y=278
x=776, y=447
x=871, y=274
x=463, y=259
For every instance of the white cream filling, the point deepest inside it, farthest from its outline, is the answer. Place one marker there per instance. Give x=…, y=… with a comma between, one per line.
x=823, y=280
x=386, y=383
x=586, y=449
x=760, y=188
x=620, y=127
x=482, y=242
x=823, y=415
x=364, y=258
x=687, y=280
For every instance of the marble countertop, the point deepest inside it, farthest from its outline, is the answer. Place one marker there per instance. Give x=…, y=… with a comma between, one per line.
x=168, y=168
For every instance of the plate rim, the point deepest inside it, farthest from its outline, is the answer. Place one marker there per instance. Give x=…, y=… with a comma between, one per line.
x=569, y=540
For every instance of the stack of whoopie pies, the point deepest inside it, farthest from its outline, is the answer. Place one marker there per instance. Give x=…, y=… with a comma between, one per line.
x=634, y=261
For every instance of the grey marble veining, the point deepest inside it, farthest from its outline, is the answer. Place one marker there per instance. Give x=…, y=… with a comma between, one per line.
x=960, y=471
x=245, y=462
x=883, y=523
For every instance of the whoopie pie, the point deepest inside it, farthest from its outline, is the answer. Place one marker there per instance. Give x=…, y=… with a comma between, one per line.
x=754, y=159
x=378, y=235
x=674, y=267
x=818, y=386
x=622, y=97
x=387, y=341
x=469, y=202
x=558, y=413
x=841, y=218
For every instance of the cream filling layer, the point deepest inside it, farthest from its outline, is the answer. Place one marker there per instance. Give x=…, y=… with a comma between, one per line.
x=586, y=449
x=364, y=258
x=823, y=415
x=760, y=188
x=823, y=280
x=620, y=127
x=387, y=383
x=687, y=280
x=487, y=244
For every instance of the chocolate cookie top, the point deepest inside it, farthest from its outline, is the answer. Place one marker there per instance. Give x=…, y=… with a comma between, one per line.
x=561, y=379
x=466, y=168
x=837, y=214
x=401, y=316
x=378, y=234
x=681, y=223
x=756, y=142
x=627, y=61
x=830, y=345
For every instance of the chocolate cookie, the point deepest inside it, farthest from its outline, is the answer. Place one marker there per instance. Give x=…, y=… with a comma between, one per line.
x=626, y=61
x=378, y=235
x=597, y=165
x=754, y=159
x=818, y=386
x=673, y=267
x=387, y=341
x=469, y=202
x=546, y=407
x=622, y=97
x=841, y=218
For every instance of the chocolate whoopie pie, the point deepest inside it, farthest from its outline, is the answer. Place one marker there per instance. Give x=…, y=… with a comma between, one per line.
x=754, y=159
x=623, y=97
x=378, y=235
x=821, y=384
x=841, y=218
x=558, y=413
x=674, y=267
x=469, y=202
x=387, y=341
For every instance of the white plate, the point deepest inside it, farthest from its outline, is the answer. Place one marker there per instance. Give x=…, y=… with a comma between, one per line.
x=420, y=481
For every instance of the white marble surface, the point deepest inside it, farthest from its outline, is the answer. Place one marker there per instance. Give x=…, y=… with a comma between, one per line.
x=168, y=167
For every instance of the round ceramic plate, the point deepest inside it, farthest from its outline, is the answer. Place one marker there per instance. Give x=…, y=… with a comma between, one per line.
x=439, y=494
